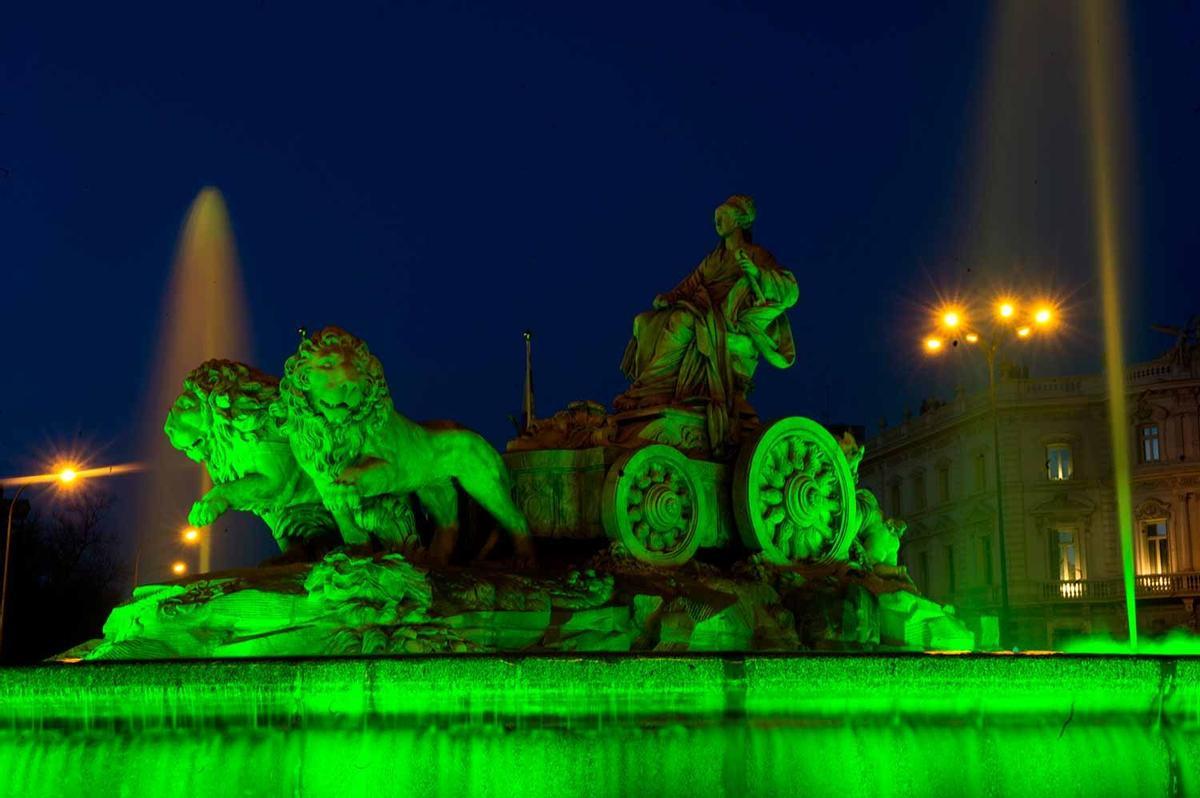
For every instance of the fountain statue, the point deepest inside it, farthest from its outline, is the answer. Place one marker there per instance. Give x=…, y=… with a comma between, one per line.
x=223, y=420
x=703, y=339
x=679, y=522
x=366, y=458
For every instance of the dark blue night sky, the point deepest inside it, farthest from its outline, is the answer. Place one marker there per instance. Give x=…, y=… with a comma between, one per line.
x=437, y=177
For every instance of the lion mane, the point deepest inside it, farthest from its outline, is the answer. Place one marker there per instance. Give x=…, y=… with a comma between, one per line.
x=234, y=399
x=330, y=447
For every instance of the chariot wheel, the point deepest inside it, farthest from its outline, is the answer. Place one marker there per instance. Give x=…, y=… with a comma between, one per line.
x=793, y=494
x=652, y=504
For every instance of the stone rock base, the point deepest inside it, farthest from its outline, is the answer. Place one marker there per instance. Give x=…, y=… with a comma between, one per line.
x=384, y=604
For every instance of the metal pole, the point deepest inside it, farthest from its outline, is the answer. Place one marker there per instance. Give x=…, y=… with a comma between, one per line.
x=7, y=550
x=1004, y=610
x=528, y=334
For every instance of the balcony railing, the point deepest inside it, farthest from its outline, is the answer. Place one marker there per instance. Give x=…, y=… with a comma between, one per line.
x=1145, y=586
x=1053, y=386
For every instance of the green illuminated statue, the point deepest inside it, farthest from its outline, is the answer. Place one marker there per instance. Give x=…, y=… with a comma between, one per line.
x=877, y=541
x=723, y=533
x=366, y=459
x=703, y=339
x=222, y=419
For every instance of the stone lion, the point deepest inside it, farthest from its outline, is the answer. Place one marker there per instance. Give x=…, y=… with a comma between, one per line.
x=222, y=419
x=347, y=435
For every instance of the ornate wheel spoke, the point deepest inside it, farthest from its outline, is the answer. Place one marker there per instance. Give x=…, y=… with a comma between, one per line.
x=794, y=494
x=652, y=505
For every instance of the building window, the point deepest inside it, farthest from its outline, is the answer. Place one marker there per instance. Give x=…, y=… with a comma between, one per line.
x=918, y=491
x=980, y=471
x=943, y=474
x=1064, y=553
x=1156, y=554
x=1058, y=461
x=950, y=581
x=985, y=560
x=1150, y=450
x=923, y=567
x=894, y=498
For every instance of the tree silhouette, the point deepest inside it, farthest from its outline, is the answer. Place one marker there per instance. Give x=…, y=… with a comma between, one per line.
x=64, y=576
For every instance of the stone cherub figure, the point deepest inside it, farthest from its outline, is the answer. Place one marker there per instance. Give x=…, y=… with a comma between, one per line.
x=703, y=339
x=365, y=457
x=877, y=541
x=222, y=419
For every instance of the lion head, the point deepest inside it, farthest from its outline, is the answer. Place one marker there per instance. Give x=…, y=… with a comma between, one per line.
x=333, y=391
x=221, y=399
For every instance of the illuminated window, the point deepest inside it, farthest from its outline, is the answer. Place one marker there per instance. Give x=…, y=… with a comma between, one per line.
x=1150, y=449
x=918, y=491
x=1058, y=461
x=950, y=581
x=980, y=471
x=1064, y=553
x=943, y=474
x=985, y=560
x=1156, y=553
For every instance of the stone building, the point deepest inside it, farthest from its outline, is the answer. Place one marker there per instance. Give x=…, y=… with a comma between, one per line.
x=1056, y=477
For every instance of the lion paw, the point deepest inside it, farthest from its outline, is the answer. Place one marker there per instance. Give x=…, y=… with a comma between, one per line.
x=207, y=510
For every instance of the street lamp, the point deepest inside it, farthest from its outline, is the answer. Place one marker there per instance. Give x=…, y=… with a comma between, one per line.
x=65, y=476
x=201, y=538
x=987, y=336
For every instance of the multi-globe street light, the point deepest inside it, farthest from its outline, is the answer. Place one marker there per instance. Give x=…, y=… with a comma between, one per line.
x=987, y=333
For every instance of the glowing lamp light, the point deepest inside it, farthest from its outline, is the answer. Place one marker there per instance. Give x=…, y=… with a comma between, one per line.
x=1043, y=316
x=933, y=344
x=191, y=535
x=178, y=568
x=972, y=338
x=1006, y=310
x=68, y=475
x=1023, y=332
x=951, y=318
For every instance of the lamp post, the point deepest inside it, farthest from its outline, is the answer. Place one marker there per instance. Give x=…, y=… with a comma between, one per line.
x=66, y=476
x=1007, y=324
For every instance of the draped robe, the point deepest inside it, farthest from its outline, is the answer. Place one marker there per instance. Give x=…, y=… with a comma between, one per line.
x=706, y=342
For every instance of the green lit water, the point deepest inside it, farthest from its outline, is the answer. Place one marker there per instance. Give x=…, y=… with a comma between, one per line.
x=674, y=759
x=819, y=725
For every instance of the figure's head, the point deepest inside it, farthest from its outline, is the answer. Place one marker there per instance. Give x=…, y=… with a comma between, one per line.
x=336, y=376
x=220, y=398
x=735, y=213
x=187, y=427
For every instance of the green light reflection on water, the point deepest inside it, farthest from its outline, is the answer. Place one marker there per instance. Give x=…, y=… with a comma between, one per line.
x=845, y=725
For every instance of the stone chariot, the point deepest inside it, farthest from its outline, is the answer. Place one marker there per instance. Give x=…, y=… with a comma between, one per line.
x=684, y=463
x=786, y=492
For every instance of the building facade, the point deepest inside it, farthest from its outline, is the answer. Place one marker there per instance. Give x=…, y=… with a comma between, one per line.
x=1063, y=558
